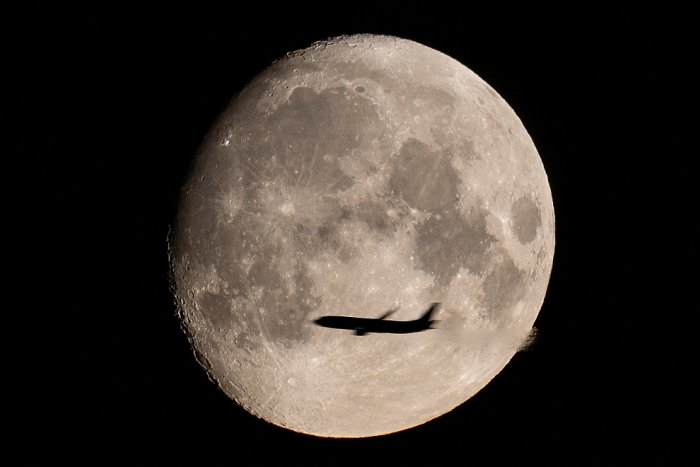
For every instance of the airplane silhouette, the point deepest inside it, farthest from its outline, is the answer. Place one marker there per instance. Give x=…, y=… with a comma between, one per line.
x=363, y=326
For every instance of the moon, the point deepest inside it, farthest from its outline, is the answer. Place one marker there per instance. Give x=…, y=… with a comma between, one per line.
x=361, y=174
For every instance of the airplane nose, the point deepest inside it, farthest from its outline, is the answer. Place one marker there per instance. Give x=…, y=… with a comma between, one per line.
x=321, y=321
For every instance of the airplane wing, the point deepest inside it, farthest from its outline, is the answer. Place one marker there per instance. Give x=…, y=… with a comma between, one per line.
x=388, y=313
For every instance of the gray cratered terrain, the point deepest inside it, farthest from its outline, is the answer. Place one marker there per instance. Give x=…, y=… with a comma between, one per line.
x=361, y=174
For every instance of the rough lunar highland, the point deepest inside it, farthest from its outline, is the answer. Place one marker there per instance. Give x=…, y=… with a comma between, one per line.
x=361, y=174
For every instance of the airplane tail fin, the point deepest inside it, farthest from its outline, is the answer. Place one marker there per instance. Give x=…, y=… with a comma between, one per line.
x=426, y=318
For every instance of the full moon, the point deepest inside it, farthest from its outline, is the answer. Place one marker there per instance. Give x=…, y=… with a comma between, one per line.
x=362, y=174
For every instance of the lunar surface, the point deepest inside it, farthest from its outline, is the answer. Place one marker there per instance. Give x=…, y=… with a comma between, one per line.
x=361, y=174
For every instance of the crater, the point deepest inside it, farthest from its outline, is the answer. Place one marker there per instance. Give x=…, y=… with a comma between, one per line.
x=360, y=89
x=526, y=219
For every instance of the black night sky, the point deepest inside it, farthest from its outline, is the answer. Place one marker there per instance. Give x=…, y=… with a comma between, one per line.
x=113, y=104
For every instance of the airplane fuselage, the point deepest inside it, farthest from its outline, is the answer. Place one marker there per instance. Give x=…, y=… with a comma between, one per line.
x=367, y=325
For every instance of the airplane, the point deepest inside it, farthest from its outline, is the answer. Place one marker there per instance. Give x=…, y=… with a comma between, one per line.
x=363, y=326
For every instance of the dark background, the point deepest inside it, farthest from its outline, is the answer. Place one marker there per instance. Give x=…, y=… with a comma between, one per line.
x=112, y=105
